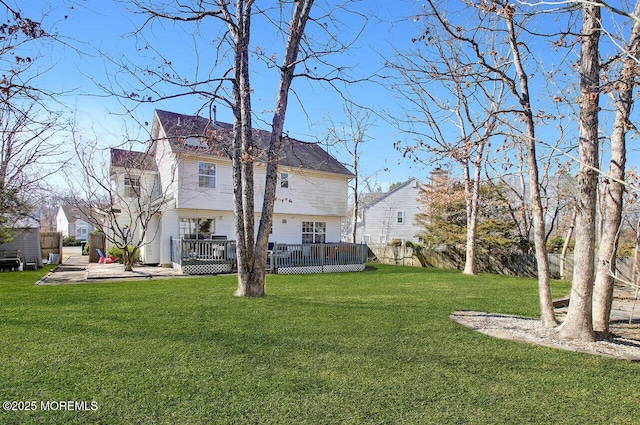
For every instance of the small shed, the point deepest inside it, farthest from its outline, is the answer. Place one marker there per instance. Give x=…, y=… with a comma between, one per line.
x=26, y=240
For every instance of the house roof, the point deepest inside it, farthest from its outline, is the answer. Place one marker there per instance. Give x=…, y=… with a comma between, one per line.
x=198, y=135
x=373, y=198
x=132, y=160
x=74, y=213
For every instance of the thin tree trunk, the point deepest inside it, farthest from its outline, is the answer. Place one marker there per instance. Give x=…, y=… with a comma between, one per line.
x=354, y=216
x=636, y=253
x=578, y=323
x=614, y=190
x=472, y=223
x=471, y=261
x=547, y=314
x=565, y=245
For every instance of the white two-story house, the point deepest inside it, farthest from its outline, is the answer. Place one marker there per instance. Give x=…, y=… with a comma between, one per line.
x=388, y=216
x=188, y=168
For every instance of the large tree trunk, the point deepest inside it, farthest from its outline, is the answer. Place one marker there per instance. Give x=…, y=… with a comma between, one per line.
x=578, y=324
x=253, y=281
x=244, y=157
x=614, y=190
x=547, y=314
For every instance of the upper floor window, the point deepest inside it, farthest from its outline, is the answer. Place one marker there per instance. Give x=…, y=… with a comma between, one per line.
x=132, y=186
x=206, y=175
x=400, y=217
x=314, y=231
x=284, y=180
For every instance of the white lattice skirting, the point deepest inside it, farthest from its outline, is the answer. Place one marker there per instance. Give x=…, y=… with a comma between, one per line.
x=330, y=268
x=206, y=268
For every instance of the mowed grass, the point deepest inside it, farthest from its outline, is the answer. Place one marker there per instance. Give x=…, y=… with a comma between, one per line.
x=359, y=348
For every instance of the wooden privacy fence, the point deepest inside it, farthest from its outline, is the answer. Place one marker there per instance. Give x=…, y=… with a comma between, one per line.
x=96, y=241
x=514, y=265
x=50, y=243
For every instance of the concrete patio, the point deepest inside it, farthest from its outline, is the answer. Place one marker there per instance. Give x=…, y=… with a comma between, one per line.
x=75, y=268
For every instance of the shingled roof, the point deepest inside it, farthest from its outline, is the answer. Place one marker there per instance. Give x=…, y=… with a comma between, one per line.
x=200, y=135
x=132, y=160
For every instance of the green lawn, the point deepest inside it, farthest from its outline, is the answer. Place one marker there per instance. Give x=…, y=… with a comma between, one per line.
x=372, y=347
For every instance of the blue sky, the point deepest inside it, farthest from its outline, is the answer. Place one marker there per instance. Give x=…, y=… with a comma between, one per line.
x=95, y=33
x=95, y=29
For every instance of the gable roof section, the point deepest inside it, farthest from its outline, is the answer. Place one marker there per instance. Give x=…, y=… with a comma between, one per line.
x=373, y=198
x=132, y=160
x=73, y=213
x=198, y=135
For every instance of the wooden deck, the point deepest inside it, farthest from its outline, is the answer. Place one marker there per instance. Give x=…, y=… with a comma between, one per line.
x=206, y=256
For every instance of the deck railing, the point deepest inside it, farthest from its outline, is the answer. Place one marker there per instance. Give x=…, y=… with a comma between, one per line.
x=317, y=258
x=205, y=256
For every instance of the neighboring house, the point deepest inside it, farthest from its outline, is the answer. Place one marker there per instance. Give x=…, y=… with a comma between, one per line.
x=388, y=216
x=188, y=167
x=73, y=222
x=26, y=240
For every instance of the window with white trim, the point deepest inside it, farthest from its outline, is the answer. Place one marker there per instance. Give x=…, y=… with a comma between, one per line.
x=207, y=175
x=284, y=180
x=400, y=217
x=314, y=232
x=132, y=186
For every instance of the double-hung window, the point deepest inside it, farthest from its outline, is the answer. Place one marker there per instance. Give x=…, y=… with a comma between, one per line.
x=284, y=180
x=314, y=231
x=207, y=175
x=132, y=186
x=400, y=217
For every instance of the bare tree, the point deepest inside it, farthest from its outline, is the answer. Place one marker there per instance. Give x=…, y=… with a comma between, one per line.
x=508, y=69
x=614, y=182
x=348, y=138
x=524, y=97
x=121, y=195
x=29, y=150
x=252, y=258
x=470, y=105
x=578, y=323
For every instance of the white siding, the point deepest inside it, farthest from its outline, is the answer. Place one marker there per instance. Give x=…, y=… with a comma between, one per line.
x=380, y=224
x=308, y=192
x=288, y=228
x=192, y=196
x=312, y=193
x=167, y=174
x=62, y=223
